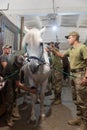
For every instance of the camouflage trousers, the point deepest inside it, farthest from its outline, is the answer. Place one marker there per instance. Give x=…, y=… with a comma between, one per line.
x=79, y=93
x=57, y=78
x=10, y=98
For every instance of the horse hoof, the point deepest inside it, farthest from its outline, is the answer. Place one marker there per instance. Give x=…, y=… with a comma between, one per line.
x=38, y=102
x=31, y=122
x=42, y=117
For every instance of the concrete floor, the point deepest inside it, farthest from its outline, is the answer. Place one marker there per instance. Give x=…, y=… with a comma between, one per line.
x=57, y=115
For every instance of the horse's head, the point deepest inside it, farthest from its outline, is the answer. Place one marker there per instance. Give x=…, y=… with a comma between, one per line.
x=33, y=44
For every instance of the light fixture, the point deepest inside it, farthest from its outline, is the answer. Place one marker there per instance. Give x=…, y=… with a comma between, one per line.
x=54, y=28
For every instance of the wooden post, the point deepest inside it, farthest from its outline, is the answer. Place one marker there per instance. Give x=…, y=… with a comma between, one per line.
x=21, y=32
x=21, y=37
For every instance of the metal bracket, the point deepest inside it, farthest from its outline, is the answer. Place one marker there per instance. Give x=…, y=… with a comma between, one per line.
x=6, y=8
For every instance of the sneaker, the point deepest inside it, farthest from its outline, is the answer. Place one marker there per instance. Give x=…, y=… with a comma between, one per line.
x=76, y=121
x=10, y=123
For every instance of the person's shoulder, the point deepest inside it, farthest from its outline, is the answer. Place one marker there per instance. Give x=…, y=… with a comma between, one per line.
x=3, y=58
x=83, y=46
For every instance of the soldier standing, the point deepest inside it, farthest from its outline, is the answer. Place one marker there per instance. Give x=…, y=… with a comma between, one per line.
x=57, y=76
x=77, y=54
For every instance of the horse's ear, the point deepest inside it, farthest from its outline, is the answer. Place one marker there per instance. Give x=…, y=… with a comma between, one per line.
x=42, y=30
x=26, y=29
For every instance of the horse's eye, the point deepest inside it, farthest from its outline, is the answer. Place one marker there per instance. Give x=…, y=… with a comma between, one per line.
x=41, y=44
x=26, y=44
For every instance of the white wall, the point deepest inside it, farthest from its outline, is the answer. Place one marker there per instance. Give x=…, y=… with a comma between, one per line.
x=14, y=19
x=61, y=32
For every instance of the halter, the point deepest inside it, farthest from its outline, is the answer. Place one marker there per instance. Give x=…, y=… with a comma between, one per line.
x=34, y=57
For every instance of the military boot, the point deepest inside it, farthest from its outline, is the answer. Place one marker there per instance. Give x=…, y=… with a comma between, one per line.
x=76, y=121
x=78, y=111
x=57, y=102
x=82, y=127
x=15, y=112
x=57, y=99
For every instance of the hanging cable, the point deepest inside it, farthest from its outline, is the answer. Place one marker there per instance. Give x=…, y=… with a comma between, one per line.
x=53, y=1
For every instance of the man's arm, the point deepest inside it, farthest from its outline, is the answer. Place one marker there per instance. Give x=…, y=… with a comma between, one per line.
x=57, y=53
x=4, y=64
x=54, y=51
x=86, y=73
x=22, y=86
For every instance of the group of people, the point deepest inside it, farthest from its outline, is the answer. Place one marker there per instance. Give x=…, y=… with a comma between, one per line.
x=77, y=54
x=10, y=70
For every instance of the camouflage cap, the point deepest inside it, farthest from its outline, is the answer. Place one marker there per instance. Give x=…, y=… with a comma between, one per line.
x=72, y=34
x=6, y=46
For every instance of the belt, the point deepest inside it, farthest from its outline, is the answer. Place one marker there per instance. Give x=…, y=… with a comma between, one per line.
x=77, y=70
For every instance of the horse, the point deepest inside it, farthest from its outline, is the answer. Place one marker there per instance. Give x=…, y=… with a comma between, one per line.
x=36, y=68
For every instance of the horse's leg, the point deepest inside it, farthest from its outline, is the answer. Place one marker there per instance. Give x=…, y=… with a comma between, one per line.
x=42, y=95
x=33, y=101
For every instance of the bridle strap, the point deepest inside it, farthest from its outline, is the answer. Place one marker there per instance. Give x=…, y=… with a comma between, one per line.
x=36, y=58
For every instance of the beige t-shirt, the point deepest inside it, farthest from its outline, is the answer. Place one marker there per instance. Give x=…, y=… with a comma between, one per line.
x=77, y=56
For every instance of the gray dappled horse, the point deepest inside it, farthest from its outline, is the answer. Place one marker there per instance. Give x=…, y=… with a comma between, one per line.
x=37, y=68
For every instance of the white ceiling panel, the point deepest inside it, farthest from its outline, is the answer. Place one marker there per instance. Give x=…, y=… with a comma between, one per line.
x=69, y=20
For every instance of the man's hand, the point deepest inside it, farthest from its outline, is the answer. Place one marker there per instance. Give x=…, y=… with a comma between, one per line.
x=2, y=82
x=33, y=90
x=50, y=48
x=84, y=81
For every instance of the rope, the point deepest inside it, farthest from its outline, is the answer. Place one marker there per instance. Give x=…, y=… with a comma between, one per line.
x=65, y=72
x=33, y=57
x=11, y=75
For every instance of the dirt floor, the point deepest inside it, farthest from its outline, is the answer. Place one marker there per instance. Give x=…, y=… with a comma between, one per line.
x=57, y=115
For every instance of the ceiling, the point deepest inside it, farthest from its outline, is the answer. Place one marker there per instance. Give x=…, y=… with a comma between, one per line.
x=66, y=13
x=63, y=13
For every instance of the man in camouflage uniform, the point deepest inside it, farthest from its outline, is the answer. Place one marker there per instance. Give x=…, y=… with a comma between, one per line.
x=11, y=74
x=78, y=65
x=12, y=82
x=57, y=76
